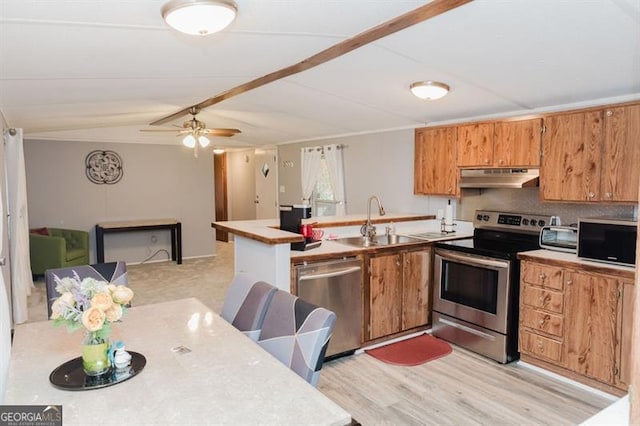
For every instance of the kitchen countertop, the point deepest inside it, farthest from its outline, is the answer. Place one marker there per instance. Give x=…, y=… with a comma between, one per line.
x=267, y=230
x=329, y=248
x=561, y=259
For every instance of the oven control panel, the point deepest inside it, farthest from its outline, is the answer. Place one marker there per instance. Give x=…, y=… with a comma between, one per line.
x=521, y=222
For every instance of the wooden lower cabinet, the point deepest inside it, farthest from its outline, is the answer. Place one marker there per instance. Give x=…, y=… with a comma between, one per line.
x=399, y=291
x=576, y=321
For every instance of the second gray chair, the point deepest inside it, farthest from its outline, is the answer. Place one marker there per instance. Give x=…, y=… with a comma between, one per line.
x=112, y=272
x=246, y=302
x=297, y=333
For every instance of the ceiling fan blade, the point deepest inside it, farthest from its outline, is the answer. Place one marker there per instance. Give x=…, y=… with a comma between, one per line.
x=219, y=131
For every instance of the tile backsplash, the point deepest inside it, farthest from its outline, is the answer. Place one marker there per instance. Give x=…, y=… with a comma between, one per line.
x=526, y=200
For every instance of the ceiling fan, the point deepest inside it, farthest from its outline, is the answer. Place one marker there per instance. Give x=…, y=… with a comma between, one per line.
x=196, y=131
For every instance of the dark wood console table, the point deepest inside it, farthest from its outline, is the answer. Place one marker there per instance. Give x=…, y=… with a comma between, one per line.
x=141, y=225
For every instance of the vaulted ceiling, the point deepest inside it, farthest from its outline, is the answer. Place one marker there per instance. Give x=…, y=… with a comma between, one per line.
x=101, y=70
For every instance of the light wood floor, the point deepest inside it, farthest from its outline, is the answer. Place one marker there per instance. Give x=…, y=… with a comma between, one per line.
x=459, y=389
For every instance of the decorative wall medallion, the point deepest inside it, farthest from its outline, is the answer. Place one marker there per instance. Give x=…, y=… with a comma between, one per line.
x=103, y=167
x=265, y=169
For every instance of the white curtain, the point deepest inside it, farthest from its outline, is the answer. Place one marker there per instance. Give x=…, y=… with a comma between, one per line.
x=5, y=315
x=335, y=164
x=21, y=280
x=310, y=166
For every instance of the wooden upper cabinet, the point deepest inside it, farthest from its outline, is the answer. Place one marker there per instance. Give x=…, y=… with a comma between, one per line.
x=592, y=156
x=571, y=149
x=621, y=154
x=517, y=143
x=499, y=144
x=474, y=145
x=435, y=171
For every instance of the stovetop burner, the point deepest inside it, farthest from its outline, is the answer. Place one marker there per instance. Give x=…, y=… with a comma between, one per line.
x=500, y=234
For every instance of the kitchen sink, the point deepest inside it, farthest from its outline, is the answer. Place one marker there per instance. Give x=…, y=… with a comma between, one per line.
x=378, y=241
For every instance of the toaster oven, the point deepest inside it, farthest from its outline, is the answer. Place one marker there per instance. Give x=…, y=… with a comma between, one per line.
x=559, y=238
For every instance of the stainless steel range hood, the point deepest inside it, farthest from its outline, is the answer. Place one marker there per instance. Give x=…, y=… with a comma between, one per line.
x=499, y=178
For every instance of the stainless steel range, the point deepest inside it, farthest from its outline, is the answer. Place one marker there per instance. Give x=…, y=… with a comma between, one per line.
x=477, y=283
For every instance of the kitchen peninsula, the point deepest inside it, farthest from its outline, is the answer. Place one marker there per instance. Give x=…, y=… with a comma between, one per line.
x=264, y=250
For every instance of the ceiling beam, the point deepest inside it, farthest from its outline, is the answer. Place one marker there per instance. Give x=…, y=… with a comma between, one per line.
x=416, y=16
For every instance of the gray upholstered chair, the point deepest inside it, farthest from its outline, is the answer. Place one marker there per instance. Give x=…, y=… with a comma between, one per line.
x=297, y=333
x=246, y=303
x=112, y=272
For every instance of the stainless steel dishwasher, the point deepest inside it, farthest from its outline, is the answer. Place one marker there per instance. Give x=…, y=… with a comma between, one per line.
x=335, y=285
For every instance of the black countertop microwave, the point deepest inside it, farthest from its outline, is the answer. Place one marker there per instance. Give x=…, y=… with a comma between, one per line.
x=608, y=239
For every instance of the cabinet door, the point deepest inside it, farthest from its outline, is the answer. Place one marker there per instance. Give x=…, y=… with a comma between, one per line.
x=416, y=288
x=571, y=148
x=436, y=172
x=591, y=306
x=474, y=145
x=385, y=295
x=625, y=322
x=621, y=154
x=517, y=143
x=419, y=155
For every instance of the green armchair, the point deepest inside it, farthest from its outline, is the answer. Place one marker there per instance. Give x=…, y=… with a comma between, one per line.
x=57, y=248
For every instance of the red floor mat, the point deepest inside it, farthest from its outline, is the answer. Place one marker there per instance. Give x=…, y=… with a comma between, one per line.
x=414, y=351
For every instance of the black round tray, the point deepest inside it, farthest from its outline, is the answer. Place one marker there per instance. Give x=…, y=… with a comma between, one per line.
x=71, y=376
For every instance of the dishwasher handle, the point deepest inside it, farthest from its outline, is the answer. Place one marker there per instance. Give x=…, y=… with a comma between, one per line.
x=331, y=274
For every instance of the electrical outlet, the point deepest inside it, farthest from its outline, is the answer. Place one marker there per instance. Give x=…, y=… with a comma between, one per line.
x=154, y=239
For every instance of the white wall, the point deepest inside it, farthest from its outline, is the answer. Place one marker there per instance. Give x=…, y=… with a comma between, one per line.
x=380, y=164
x=159, y=181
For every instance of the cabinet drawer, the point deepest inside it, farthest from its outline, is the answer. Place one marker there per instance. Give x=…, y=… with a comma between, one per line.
x=543, y=299
x=543, y=321
x=542, y=275
x=539, y=346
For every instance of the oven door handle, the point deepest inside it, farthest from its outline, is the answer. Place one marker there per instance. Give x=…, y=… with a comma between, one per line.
x=474, y=261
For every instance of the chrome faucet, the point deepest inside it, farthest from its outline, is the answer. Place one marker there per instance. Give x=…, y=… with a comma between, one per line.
x=367, y=230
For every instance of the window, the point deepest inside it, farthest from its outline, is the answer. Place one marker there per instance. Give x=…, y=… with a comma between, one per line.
x=324, y=200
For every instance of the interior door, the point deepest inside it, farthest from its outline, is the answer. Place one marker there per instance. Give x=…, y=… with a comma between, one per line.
x=266, y=200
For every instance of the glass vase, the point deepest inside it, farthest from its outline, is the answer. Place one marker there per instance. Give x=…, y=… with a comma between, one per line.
x=95, y=356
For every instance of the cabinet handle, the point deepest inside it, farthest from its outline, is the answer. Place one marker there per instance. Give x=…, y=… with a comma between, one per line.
x=486, y=161
x=569, y=282
x=541, y=299
x=541, y=322
x=542, y=276
x=540, y=346
x=609, y=113
x=591, y=195
x=501, y=161
x=608, y=194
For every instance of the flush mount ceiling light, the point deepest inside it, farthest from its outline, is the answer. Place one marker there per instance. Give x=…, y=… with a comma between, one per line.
x=218, y=151
x=429, y=90
x=199, y=17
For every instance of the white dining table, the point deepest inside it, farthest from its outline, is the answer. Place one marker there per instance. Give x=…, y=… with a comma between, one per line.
x=219, y=376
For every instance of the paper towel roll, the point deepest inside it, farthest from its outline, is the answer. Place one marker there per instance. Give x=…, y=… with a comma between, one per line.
x=448, y=214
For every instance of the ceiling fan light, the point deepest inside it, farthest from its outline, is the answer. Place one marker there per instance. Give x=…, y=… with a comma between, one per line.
x=429, y=90
x=204, y=141
x=189, y=141
x=218, y=151
x=199, y=17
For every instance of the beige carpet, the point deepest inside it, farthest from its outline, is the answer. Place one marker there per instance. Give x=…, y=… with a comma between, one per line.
x=205, y=278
